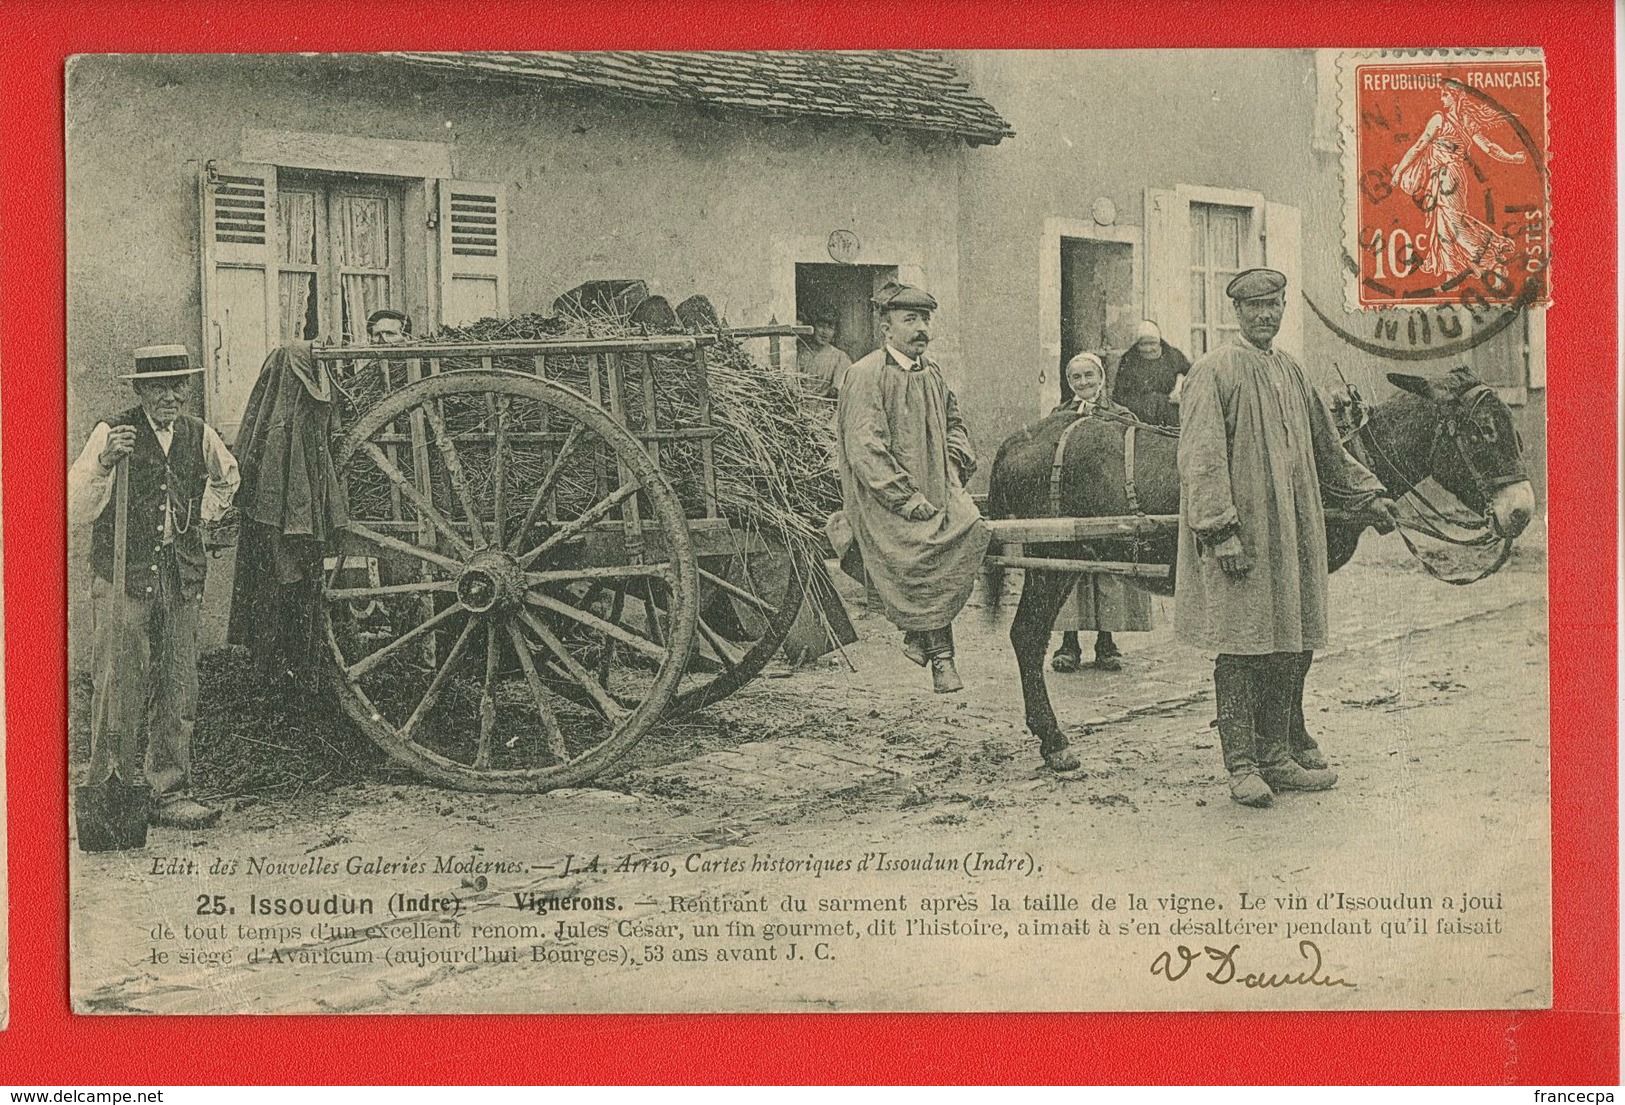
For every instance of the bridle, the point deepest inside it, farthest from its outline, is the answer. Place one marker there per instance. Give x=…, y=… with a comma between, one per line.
x=1460, y=411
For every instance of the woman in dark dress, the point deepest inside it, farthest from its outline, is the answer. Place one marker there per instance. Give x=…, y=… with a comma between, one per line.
x=1149, y=376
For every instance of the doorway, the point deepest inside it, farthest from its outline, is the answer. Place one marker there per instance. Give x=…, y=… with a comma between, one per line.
x=847, y=290
x=1097, y=303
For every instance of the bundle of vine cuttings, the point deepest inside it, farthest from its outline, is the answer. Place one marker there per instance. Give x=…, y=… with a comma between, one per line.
x=771, y=455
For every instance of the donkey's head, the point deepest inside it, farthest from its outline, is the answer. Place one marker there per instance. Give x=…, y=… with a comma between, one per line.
x=1475, y=452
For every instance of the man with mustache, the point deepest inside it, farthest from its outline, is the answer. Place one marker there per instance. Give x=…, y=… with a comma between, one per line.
x=181, y=475
x=1257, y=450
x=908, y=525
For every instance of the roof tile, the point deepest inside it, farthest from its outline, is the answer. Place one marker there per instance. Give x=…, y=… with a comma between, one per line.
x=904, y=89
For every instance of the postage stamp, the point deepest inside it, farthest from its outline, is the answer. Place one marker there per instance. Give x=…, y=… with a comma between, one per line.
x=1445, y=166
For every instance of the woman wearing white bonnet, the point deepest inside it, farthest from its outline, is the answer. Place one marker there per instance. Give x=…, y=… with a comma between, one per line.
x=1149, y=376
x=1102, y=603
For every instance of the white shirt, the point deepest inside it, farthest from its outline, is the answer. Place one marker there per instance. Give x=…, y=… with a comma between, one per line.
x=90, y=487
x=901, y=358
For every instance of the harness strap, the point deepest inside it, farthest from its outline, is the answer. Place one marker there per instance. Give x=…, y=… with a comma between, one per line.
x=1128, y=471
x=1056, y=466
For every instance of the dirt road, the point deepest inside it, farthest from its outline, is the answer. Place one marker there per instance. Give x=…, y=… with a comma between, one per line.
x=907, y=818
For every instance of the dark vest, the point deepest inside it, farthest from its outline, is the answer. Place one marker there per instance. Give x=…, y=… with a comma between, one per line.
x=181, y=477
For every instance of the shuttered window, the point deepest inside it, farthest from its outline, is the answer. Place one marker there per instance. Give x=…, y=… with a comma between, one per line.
x=293, y=255
x=241, y=309
x=474, y=251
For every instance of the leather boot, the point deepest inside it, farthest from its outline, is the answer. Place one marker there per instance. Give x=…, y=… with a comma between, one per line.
x=1304, y=748
x=939, y=646
x=1234, y=695
x=1278, y=695
x=914, y=647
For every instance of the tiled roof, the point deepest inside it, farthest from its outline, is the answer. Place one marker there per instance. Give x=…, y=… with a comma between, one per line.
x=916, y=90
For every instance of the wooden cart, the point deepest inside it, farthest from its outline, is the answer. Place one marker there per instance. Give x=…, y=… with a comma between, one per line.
x=525, y=589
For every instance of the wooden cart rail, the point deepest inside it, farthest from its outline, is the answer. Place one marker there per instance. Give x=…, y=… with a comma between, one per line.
x=1014, y=534
x=566, y=347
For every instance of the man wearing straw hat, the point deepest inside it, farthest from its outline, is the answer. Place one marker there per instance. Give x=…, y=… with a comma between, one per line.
x=907, y=524
x=179, y=476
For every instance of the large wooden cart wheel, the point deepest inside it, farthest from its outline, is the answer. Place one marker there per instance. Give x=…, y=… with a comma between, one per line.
x=476, y=611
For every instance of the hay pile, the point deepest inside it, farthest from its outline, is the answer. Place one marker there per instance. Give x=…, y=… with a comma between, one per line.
x=771, y=458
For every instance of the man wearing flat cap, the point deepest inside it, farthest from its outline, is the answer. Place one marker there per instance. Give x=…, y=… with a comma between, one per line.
x=387, y=326
x=908, y=525
x=180, y=476
x=1257, y=450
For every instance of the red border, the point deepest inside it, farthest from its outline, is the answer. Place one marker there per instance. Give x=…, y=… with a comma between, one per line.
x=1577, y=1042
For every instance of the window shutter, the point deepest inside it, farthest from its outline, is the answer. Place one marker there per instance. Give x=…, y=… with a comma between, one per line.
x=1283, y=251
x=473, y=251
x=1168, y=265
x=241, y=316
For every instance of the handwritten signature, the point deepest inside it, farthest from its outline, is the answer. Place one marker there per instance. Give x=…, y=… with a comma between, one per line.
x=1176, y=964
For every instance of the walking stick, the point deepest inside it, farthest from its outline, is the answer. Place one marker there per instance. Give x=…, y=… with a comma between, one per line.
x=112, y=813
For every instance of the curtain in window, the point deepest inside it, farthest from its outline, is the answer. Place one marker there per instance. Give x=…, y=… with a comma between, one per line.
x=296, y=212
x=363, y=242
x=364, y=293
x=364, y=232
x=296, y=292
x=296, y=218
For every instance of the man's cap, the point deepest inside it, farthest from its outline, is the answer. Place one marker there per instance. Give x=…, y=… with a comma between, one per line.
x=155, y=362
x=389, y=312
x=1255, y=284
x=903, y=297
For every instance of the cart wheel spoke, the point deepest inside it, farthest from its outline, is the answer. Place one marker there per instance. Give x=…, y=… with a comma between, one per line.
x=661, y=570
x=438, y=683
x=538, y=693
x=729, y=654
x=420, y=502
x=592, y=621
x=428, y=625
x=545, y=488
x=737, y=592
x=488, y=702
x=588, y=517
x=606, y=704
x=499, y=469
x=454, y=467
x=344, y=594
x=384, y=540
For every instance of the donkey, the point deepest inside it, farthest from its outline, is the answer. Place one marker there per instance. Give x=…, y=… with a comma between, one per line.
x=1451, y=427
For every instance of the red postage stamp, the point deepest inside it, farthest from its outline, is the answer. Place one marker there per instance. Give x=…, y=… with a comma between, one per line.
x=1449, y=202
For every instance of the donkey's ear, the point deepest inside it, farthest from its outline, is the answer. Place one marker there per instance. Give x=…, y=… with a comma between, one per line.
x=1416, y=385
x=1460, y=379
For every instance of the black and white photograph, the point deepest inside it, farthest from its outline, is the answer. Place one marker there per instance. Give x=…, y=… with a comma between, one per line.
x=808, y=531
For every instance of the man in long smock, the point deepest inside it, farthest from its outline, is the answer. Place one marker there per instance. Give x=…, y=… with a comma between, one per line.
x=908, y=525
x=1257, y=451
